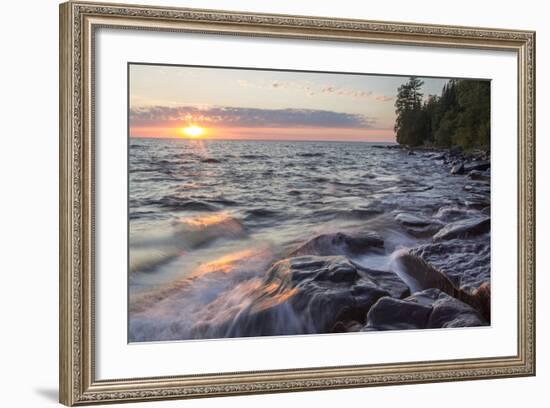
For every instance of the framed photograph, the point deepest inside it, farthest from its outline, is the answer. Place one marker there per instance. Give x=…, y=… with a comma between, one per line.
x=256, y=203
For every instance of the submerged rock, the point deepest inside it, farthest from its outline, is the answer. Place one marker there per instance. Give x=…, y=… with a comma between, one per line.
x=340, y=244
x=429, y=309
x=464, y=228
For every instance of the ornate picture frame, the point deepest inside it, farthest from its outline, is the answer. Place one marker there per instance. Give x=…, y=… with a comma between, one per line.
x=79, y=22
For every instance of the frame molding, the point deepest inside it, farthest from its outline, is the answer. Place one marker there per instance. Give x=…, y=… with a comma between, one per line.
x=78, y=22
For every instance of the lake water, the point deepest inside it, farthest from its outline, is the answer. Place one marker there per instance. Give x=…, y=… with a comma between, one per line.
x=207, y=219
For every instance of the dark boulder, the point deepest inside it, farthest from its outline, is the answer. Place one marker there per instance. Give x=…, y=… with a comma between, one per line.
x=308, y=294
x=467, y=263
x=478, y=175
x=478, y=166
x=429, y=309
x=464, y=228
x=418, y=226
x=421, y=275
x=396, y=314
x=340, y=244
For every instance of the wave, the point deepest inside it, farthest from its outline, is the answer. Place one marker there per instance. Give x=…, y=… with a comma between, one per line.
x=210, y=160
x=182, y=204
x=307, y=154
x=254, y=156
x=215, y=291
x=261, y=213
x=154, y=248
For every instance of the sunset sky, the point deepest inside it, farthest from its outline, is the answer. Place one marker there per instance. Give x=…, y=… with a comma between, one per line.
x=221, y=103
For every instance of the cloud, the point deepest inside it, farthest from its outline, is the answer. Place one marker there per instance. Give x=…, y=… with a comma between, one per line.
x=168, y=116
x=310, y=89
x=353, y=93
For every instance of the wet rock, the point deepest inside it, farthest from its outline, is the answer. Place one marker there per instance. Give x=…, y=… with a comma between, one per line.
x=347, y=327
x=478, y=166
x=410, y=153
x=477, y=200
x=395, y=314
x=478, y=175
x=311, y=295
x=340, y=244
x=418, y=226
x=458, y=168
x=466, y=263
x=448, y=311
x=418, y=274
x=451, y=213
x=428, y=309
x=468, y=285
x=464, y=228
x=412, y=220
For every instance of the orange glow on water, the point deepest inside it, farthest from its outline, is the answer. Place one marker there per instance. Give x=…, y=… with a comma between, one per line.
x=225, y=263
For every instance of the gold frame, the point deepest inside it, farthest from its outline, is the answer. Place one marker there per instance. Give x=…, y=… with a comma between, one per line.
x=78, y=22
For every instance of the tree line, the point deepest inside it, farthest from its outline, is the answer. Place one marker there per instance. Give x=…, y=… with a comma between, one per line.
x=459, y=117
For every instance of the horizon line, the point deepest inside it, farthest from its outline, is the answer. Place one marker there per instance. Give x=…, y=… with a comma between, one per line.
x=260, y=140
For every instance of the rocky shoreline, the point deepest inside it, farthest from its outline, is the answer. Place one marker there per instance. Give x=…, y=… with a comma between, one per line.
x=414, y=259
x=440, y=284
x=458, y=161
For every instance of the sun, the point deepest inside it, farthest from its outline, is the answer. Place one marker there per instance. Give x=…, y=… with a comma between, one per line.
x=193, y=131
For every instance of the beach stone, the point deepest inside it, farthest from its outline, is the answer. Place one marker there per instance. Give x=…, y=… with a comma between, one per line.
x=478, y=166
x=471, y=284
x=412, y=220
x=467, y=263
x=396, y=314
x=419, y=274
x=477, y=200
x=458, y=168
x=340, y=244
x=451, y=213
x=464, y=228
x=478, y=175
x=429, y=309
x=418, y=226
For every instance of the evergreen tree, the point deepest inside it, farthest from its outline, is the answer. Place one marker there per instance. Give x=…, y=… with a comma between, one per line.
x=459, y=117
x=408, y=107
